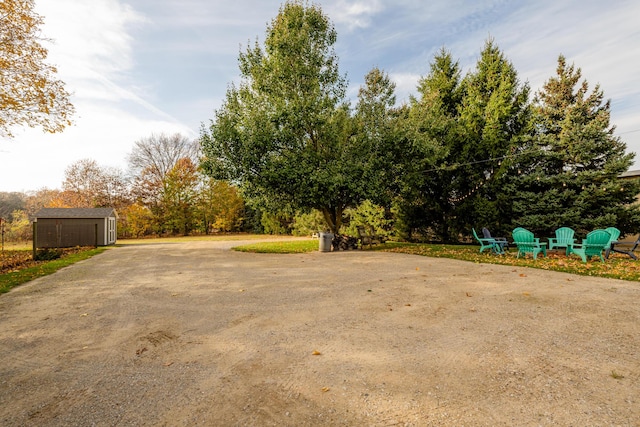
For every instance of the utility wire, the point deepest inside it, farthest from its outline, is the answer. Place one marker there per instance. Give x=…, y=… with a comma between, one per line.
x=475, y=162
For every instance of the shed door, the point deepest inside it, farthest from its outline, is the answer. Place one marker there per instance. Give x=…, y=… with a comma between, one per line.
x=111, y=231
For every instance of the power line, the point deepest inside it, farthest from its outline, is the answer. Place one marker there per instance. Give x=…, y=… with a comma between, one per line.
x=628, y=131
x=475, y=162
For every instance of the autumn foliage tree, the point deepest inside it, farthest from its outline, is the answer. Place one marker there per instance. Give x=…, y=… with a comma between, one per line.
x=135, y=221
x=179, y=197
x=220, y=207
x=30, y=93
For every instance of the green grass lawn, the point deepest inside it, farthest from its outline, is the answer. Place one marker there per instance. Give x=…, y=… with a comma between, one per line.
x=33, y=269
x=284, y=247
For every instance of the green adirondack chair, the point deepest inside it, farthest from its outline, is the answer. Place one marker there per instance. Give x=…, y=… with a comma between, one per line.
x=596, y=242
x=615, y=235
x=564, y=239
x=527, y=243
x=487, y=243
x=500, y=241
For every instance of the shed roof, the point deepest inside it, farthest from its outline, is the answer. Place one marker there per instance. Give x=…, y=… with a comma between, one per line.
x=630, y=174
x=75, y=213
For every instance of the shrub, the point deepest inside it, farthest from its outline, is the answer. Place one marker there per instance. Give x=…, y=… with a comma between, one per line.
x=368, y=214
x=48, y=254
x=307, y=223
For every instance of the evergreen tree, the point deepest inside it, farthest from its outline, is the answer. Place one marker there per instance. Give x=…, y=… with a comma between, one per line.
x=469, y=125
x=495, y=118
x=567, y=174
x=375, y=142
x=432, y=132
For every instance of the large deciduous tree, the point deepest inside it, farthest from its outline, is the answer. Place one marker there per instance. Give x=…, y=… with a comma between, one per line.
x=567, y=174
x=159, y=153
x=179, y=197
x=219, y=207
x=151, y=160
x=10, y=202
x=284, y=131
x=89, y=185
x=30, y=93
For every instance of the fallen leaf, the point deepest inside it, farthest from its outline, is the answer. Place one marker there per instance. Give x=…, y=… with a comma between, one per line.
x=325, y=389
x=526, y=294
x=417, y=268
x=316, y=353
x=84, y=314
x=407, y=305
x=168, y=364
x=523, y=275
x=468, y=294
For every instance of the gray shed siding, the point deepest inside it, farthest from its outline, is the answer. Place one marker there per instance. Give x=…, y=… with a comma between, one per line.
x=61, y=228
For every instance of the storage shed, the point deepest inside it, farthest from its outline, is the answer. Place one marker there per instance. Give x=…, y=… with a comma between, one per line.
x=68, y=227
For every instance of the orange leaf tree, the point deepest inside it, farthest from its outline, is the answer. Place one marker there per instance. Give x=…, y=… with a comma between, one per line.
x=30, y=93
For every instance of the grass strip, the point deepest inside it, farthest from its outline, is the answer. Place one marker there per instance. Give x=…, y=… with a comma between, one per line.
x=43, y=268
x=284, y=247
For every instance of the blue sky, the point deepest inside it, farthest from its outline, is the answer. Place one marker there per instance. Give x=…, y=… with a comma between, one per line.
x=138, y=67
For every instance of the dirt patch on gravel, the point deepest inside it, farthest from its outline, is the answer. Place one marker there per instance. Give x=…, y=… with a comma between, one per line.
x=194, y=334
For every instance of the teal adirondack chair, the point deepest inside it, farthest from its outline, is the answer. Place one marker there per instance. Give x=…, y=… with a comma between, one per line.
x=527, y=243
x=500, y=241
x=596, y=242
x=615, y=235
x=487, y=243
x=564, y=239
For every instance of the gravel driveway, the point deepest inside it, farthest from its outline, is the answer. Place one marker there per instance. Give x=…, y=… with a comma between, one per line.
x=184, y=334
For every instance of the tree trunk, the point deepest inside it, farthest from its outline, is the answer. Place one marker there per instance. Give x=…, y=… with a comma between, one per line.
x=333, y=216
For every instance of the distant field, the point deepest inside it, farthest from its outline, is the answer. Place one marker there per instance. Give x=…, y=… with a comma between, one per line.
x=18, y=246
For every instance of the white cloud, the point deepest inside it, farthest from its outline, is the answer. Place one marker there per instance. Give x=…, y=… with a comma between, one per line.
x=354, y=14
x=406, y=84
x=143, y=66
x=94, y=53
x=89, y=36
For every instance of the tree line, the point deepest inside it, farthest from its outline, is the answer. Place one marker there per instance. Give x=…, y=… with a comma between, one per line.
x=288, y=152
x=466, y=151
x=162, y=192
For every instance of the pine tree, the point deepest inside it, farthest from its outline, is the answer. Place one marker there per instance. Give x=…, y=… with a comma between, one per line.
x=495, y=116
x=567, y=174
x=432, y=132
